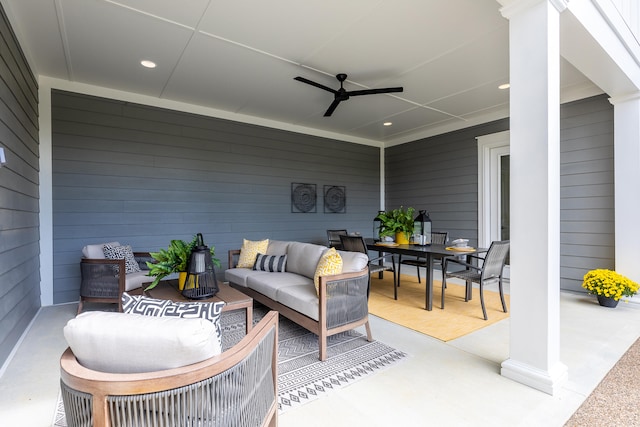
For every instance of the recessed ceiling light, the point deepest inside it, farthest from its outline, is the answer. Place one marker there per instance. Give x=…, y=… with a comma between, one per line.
x=148, y=64
x=387, y=124
x=504, y=86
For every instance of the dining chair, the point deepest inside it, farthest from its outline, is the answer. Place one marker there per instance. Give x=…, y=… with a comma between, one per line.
x=333, y=238
x=488, y=272
x=377, y=264
x=437, y=238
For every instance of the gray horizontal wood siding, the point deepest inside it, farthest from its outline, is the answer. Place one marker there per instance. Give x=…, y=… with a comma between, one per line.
x=440, y=174
x=19, y=196
x=587, y=239
x=143, y=176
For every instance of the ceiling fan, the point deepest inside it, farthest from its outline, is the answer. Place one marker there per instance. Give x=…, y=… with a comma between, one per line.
x=342, y=94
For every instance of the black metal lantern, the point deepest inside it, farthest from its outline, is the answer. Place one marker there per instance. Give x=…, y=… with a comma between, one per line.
x=201, y=277
x=422, y=227
x=377, y=224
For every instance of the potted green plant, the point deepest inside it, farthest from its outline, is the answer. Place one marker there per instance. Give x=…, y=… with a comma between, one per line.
x=397, y=223
x=609, y=286
x=174, y=259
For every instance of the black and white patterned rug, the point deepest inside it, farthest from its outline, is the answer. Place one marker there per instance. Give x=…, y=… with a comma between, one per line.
x=303, y=378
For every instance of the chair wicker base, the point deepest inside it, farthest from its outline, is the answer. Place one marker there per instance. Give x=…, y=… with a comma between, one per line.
x=235, y=388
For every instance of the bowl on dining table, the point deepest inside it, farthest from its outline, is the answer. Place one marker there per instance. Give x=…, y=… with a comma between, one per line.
x=460, y=243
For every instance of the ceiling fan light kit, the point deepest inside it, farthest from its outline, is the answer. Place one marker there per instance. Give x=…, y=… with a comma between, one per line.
x=342, y=94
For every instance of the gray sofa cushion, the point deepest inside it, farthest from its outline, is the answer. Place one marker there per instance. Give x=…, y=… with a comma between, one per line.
x=277, y=247
x=301, y=298
x=239, y=275
x=302, y=258
x=269, y=283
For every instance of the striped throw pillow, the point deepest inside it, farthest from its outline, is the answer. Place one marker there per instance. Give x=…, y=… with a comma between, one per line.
x=271, y=263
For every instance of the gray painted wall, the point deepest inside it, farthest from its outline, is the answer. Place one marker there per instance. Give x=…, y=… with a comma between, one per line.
x=587, y=238
x=440, y=174
x=143, y=176
x=19, y=232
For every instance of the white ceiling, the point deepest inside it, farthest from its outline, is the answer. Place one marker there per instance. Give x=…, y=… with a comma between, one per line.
x=241, y=57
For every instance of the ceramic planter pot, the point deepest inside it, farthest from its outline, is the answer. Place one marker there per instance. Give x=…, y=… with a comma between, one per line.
x=607, y=302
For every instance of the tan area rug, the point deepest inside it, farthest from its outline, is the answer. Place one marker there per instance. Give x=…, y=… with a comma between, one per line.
x=457, y=319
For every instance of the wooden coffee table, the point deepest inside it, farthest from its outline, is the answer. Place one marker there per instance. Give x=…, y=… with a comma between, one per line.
x=233, y=299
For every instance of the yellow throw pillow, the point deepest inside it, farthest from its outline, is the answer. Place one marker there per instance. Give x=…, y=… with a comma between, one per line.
x=330, y=263
x=249, y=252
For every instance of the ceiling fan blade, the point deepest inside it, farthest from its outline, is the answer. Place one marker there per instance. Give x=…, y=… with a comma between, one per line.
x=312, y=83
x=332, y=107
x=374, y=91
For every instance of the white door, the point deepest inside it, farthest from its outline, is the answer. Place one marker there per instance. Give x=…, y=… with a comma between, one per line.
x=493, y=189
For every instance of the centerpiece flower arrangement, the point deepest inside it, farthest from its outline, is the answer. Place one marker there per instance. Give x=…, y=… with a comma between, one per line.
x=609, y=284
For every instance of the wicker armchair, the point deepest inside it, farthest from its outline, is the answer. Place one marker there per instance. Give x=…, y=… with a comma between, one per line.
x=101, y=281
x=235, y=388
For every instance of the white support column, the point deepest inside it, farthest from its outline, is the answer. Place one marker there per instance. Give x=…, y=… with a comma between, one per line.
x=46, y=196
x=535, y=194
x=627, y=176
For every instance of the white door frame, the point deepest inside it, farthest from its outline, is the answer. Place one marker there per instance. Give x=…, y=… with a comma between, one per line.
x=490, y=148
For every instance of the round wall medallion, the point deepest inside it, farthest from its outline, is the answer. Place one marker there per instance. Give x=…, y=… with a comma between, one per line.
x=303, y=197
x=335, y=199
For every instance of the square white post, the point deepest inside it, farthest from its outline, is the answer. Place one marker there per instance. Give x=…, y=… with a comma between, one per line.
x=627, y=176
x=535, y=194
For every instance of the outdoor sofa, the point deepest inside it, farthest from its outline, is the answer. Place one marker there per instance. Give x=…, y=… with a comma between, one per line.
x=340, y=302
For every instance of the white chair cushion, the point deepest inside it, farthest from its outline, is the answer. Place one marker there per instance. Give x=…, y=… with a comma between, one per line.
x=211, y=311
x=135, y=280
x=130, y=343
x=96, y=251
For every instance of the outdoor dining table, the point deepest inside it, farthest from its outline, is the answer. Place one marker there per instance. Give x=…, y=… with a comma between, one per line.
x=429, y=252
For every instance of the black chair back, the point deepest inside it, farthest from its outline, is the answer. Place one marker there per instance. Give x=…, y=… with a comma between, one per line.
x=439, y=237
x=354, y=244
x=333, y=238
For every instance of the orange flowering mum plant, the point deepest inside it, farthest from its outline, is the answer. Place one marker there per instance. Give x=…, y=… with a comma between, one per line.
x=609, y=284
